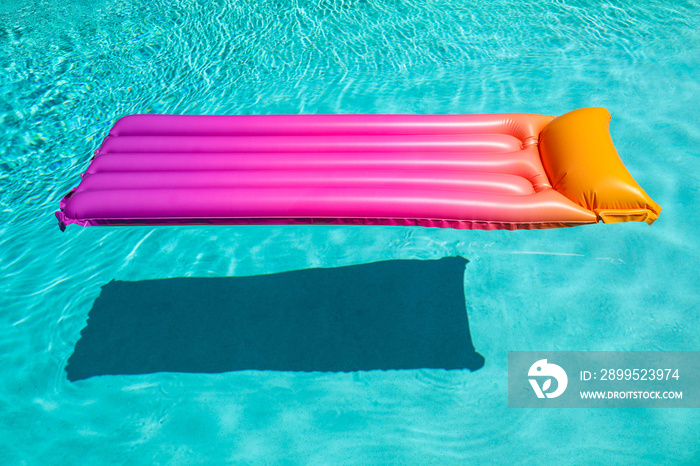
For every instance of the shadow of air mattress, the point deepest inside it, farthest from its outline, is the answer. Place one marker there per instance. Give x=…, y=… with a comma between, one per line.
x=399, y=314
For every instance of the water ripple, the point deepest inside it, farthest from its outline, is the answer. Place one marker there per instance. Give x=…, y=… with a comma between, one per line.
x=70, y=69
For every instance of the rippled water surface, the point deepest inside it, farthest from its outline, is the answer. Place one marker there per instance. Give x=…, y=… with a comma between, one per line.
x=69, y=69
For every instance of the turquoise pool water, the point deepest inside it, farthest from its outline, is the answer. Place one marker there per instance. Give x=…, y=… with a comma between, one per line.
x=69, y=69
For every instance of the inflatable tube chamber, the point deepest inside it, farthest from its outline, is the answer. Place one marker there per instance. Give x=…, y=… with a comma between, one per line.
x=498, y=171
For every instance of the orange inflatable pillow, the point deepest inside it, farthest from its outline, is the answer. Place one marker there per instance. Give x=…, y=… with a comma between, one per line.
x=582, y=164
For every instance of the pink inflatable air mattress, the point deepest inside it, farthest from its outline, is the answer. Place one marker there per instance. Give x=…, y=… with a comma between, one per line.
x=458, y=171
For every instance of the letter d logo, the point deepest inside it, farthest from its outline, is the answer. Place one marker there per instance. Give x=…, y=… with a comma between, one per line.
x=542, y=369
